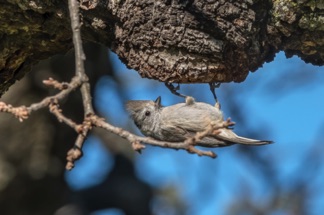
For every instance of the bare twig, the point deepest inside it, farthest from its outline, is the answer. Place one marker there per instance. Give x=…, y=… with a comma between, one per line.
x=73, y=154
x=93, y=120
x=193, y=150
x=80, y=57
x=19, y=112
x=85, y=86
x=137, y=146
x=132, y=138
x=54, y=108
x=56, y=84
x=74, y=84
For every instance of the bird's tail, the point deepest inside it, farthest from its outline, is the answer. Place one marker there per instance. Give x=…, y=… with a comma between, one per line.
x=229, y=135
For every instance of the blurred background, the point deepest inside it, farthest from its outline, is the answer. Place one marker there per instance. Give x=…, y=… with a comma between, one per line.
x=283, y=102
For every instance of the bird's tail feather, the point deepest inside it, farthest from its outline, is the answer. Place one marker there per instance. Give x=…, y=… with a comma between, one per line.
x=229, y=135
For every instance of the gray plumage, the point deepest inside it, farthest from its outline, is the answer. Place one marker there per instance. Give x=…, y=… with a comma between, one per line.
x=178, y=122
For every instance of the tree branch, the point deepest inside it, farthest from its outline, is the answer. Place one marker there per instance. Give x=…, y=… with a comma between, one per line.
x=183, y=42
x=80, y=56
x=80, y=80
x=93, y=120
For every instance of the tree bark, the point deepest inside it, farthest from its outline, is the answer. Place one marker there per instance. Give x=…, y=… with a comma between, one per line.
x=171, y=41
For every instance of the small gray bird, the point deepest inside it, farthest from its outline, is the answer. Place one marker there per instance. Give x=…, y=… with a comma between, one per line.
x=181, y=121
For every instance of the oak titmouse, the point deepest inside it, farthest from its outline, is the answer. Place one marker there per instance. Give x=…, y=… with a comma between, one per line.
x=181, y=121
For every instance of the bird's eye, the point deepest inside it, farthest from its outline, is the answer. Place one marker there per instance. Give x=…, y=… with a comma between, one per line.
x=147, y=113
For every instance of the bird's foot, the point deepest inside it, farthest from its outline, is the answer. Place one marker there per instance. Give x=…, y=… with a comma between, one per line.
x=218, y=105
x=228, y=123
x=174, y=90
x=212, y=87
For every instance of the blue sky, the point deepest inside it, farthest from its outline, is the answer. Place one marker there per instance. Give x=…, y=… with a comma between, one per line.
x=290, y=110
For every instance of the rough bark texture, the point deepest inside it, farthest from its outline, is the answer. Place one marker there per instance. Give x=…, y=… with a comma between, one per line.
x=172, y=41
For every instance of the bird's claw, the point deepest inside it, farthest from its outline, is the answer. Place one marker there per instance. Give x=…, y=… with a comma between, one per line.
x=228, y=123
x=212, y=87
x=217, y=105
x=174, y=89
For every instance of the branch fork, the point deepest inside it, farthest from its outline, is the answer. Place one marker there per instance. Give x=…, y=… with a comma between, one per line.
x=80, y=80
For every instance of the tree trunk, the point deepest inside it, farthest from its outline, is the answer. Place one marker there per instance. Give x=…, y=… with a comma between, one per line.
x=171, y=41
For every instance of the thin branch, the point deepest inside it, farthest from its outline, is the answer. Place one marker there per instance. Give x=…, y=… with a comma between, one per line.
x=90, y=118
x=93, y=120
x=55, y=84
x=80, y=57
x=76, y=152
x=74, y=84
x=87, y=100
x=134, y=139
x=73, y=154
x=23, y=112
x=191, y=149
x=19, y=112
x=54, y=109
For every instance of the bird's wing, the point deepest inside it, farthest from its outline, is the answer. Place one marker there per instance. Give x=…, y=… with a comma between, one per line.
x=174, y=133
x=190, y=118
